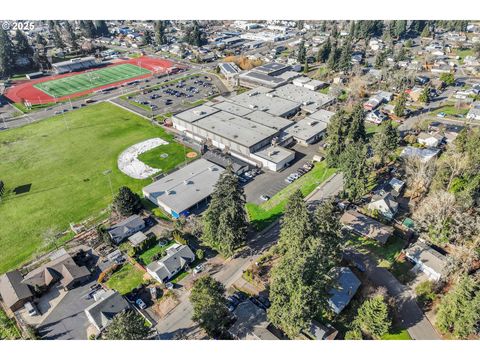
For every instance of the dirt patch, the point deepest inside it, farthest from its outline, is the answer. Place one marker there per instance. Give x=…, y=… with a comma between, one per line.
x=166, y=304
x=191, y=154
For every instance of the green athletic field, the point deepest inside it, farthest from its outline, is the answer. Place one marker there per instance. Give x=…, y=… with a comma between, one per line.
x=64, y=159
x=90, y=80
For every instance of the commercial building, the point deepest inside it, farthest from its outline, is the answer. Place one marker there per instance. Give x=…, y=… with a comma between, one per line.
x=310, y=129
x=267, y=75
x=181, y=190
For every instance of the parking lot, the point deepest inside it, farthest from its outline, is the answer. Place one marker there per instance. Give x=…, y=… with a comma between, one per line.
x=269, y=182
x=174, y=96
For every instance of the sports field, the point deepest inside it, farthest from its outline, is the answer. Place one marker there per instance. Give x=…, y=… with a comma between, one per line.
x=90, y=80
x=57, y=167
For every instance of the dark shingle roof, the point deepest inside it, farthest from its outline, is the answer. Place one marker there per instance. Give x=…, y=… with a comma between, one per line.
x=12, y=289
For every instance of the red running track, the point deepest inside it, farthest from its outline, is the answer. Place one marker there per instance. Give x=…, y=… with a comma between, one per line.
x=23, y=91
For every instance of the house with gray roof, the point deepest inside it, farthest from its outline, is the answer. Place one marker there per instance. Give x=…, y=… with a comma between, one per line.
x=251, y=323
x=385, y=204
x=427, y=260
x=13, y=291
x=107, y=304
x=366, y=226
x=126, y=228
x=178, y=256
x=346, y=285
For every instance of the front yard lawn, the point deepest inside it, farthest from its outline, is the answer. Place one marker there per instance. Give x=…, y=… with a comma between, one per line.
x=266, y=213
x=397, y=334
x=126, y=279
x=451, y=110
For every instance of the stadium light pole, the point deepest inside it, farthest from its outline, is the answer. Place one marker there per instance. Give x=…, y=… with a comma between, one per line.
x=4, y=124
x=107, y=174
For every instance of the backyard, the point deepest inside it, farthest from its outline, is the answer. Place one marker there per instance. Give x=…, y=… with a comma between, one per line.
x=126, y=279
x=266, y=213
x=146, y=257
x=53, y=172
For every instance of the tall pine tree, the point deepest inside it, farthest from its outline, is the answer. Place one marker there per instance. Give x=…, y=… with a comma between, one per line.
x=7, y=55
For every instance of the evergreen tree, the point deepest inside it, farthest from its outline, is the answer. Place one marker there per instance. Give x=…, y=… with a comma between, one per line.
x=357, y=130
x=384, y=143
x=71, y=36
x=88, y=28
x=328, y=228
x=101, y=28
x=337, y=130
x=306, y=68
x=425, y=95
x=448, y=78
x=324, y=51
x=127, y=325
x=380, y=59
x=299, y=283
x=426, y=33
x=302, y=52
x=296, y=222
x=22, y=47
x=7, y=55
x=373, y=318
x=225, y=221
x=333, y=58
x=400, y=105
x=345, y=60
x=209, y=305
x=57, y=39
x=194, y=35
x=355, y=170
x=147, y=37
x=400, y=28
x=159, y=30
x=127, y=202
x=459, y=310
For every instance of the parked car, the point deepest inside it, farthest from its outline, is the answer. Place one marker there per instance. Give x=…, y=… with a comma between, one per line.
x=264, y=197
x=141, y=304
x=441, y=115
x=198, y=269
x=169, y=286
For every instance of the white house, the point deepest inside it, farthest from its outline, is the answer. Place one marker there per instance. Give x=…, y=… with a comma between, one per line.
x=429, y=140
x=427, y=259
x=177, y=258
x=385, y=204
x=375, y=117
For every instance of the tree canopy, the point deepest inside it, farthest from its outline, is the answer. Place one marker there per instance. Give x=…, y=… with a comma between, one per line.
x=127, y=202
x=127, y=325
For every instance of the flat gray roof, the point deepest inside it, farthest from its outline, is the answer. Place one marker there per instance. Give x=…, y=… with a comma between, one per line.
x=301, y=95
x=262, y=99
x=271, y=67
x=196, y=113
x=306, y=128
x=235, y=128
x=232, y=108
x=185, y=187
x=262, y=78
x=321, y=115
x=275, y=154
x=272, y=121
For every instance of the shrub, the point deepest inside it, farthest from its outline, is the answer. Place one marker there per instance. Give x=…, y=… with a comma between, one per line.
x=354, y=334
x=178, y=237
x=200, y=254
x=425, y=292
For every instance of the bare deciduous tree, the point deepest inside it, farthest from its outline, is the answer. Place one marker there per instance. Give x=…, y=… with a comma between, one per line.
x=419, y=175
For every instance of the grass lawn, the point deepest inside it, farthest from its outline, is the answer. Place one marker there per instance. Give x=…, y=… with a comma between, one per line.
x=397, y=334
x=126, y=279
x=174, y=153
x=147, y=256
x=264, y=214
x=90, y=80
x=8, y=328
x=371, y=128
x=64, y=167
x=451, y=110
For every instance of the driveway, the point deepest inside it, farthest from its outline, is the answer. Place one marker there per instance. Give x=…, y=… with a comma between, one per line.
x=411, y=316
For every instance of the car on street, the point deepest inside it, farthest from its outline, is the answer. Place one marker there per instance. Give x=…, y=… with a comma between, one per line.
x=441, y=115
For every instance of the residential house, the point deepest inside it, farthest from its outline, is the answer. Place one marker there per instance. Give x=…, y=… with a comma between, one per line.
x=396, y=186
x=318, y=331
x=424, y=155
x=61, y=268
x=375, y=117
x=251, y=323
x=474, y=112
x=178, y=256
x=13, y=292
x=366, y=226
x=346, y=286
x=429, y=140
x=107, y=304
x=385, y=204
x=428, y=260
x=126, y=228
